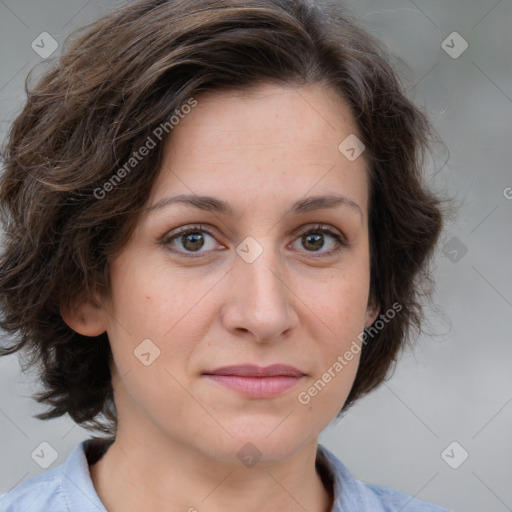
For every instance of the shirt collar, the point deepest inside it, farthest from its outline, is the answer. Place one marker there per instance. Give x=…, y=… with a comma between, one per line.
x=76, y=482
x=349, y=493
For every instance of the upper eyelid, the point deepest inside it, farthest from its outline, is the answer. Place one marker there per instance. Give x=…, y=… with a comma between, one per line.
x=208, y=229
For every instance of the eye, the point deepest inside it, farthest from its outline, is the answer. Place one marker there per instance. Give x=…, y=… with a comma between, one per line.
x=189, y=240
x=314, y=239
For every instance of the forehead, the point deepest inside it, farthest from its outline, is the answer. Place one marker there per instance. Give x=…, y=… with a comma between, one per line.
x=315, y=114
x=280, y=139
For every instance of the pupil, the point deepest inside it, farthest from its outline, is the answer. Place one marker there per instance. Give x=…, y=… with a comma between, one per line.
x=314, y=239
x=197, y=241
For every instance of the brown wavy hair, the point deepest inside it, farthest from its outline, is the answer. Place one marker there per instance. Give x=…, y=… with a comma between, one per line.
x=126, y=74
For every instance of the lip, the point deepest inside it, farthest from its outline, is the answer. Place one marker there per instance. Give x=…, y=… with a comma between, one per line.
x=251, y=370
x=256, y=381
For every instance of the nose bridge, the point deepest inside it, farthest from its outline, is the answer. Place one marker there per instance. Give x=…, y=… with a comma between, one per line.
x=262, y=301
x=264, y=281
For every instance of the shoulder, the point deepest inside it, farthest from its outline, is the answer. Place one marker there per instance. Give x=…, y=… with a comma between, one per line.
x=65, y=488
x=352, y=495
x=393, y=500
x=38, y=494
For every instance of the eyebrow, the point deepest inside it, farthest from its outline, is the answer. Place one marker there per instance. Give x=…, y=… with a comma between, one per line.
x=215, y=205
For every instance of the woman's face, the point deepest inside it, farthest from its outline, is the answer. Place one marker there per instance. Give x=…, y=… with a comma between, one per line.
x=254, y=281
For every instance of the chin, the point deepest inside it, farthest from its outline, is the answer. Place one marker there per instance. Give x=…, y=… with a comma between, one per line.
x=270, y=440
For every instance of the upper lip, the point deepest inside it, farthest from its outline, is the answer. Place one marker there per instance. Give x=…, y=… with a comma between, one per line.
x=250, y=370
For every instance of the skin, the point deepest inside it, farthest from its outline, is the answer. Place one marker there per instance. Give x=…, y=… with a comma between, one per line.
x=297, y=303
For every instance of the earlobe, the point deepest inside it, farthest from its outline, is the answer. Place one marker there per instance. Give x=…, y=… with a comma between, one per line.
x=371, y=314
x=85, y=318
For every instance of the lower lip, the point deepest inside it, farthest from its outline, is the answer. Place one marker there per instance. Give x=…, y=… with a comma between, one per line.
x=257, y=387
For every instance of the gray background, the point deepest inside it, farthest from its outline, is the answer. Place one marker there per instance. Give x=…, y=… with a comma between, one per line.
x=456, y=385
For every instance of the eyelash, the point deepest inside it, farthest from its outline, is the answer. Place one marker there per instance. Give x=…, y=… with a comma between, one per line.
x=320, y=228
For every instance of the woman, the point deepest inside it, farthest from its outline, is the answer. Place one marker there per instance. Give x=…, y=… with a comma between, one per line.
x=216, y=227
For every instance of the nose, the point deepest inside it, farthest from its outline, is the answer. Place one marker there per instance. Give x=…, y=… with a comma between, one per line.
x=260, y=302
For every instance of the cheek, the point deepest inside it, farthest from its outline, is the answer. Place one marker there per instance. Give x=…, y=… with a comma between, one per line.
x=340, y=305
x=337, y=351
x=339, y=300
x=147, y=299
x=324, y=394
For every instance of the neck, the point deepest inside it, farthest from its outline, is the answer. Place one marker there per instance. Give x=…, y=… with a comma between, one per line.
x=148, y=475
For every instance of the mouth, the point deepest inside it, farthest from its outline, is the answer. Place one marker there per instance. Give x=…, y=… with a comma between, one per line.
x=256, y=381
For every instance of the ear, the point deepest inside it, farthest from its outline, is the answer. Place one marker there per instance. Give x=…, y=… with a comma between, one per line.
x=84, y=317
x=372, y=311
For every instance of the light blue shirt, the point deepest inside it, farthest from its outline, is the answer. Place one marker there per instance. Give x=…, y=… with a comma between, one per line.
x=69, y=488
